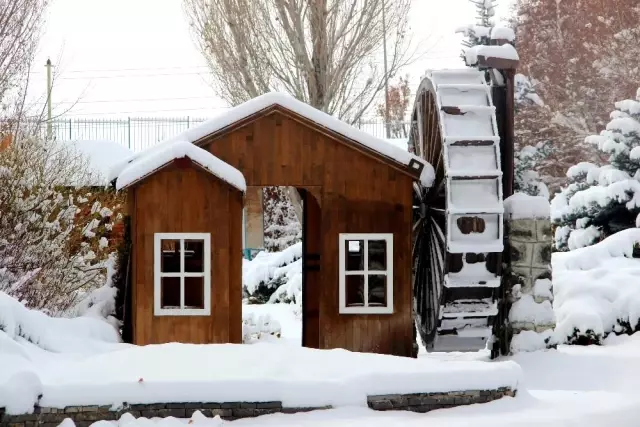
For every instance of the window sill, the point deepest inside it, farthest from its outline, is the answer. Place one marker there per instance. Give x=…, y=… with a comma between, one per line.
x=184, y=312
x=366, y=310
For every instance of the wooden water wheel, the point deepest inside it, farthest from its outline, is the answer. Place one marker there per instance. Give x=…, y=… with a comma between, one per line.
x=458, y=221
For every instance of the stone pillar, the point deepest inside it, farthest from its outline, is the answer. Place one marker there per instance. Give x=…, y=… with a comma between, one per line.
x=528, y=275
x=254, y=218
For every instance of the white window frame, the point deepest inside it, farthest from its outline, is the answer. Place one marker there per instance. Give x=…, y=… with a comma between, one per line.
x=342, y=239
x=158, y=274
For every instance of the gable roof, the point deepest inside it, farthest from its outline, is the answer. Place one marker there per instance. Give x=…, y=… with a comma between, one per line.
x=151, y=160
x=395, y=154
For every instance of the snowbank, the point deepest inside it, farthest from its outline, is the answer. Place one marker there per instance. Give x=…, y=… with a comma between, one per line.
x=523, y=206
x=261, y=372
x=102, y=156
x=597, y=288
x=89, y=367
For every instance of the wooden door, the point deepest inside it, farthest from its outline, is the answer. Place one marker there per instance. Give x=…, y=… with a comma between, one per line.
x=311, y=272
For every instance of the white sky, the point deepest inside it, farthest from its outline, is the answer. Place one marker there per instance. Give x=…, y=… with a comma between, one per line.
x=137, y=57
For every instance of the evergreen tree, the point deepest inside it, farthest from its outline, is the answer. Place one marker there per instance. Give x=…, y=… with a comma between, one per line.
x=600, y=201
x=479, y=34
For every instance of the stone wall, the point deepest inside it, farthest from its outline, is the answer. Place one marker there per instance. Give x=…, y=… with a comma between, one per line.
x=83, y=416
x=529, y=286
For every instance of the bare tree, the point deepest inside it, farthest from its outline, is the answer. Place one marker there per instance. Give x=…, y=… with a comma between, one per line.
x=326, y=53
x=20, y=22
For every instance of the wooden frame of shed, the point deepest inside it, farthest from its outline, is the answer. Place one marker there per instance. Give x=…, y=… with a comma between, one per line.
x=348, y=188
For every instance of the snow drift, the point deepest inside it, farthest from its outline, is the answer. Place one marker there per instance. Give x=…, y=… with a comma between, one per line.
x=597, y=289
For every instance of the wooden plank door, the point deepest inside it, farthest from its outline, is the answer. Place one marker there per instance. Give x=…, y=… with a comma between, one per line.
x=311, y=271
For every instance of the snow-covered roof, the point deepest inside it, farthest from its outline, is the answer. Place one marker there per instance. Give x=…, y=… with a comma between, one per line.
x=265, y=101
x=102, y=156
x=153, y=159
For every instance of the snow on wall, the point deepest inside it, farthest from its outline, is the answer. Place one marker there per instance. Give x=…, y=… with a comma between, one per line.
x=267, y=100
x=522, y=206
x=154, y=158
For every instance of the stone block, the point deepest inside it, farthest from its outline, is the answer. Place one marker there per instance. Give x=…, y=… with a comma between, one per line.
x=522, y=230
x=230, y=405
x=541, y=255
x=525, y=277
x=248, y=405
x=211, y=405
x=269, y=405
x=265, y=411
x=194, y=405
x=91, y=408
x=72, y=409
x=243, y=412
x=421, y=408
x=543, y=230
x=223, y=413
x=175, y=405
x=539, y=273
x=380, y=405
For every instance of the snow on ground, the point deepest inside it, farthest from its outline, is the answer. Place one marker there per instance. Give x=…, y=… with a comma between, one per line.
x=91, y=369
x=571, y=386
x=597, y=287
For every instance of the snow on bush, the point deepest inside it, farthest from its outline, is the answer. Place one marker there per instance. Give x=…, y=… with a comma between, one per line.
x=52, y=333
x=526, y=179
x=50, y=249
x=597, y=289
x=526, y=341
x=600, y=201
x=282, y=227
x=274, y=276
x=256, y=328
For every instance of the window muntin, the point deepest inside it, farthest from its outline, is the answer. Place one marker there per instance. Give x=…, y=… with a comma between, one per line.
x=182, y=274
x=366, y=273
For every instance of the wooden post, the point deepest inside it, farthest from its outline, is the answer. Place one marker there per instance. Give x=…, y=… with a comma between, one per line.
x=254, y=218
x=508, y=135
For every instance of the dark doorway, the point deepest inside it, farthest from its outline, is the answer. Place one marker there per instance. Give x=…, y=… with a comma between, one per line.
x=311, y=266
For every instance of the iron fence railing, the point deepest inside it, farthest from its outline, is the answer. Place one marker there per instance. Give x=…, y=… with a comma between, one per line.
x=138, y=133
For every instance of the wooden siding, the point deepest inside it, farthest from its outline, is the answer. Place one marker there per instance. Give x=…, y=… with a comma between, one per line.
x=358, y=193
x=177, y=200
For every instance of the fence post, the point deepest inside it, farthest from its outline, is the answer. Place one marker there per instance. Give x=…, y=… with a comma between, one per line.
x=188, y=122
x=70, y=139
x=129, y=132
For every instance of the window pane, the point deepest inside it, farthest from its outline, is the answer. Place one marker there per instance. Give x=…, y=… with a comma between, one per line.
x=377, y=255
x=170, y=251
x=170, y=292
x=377, y=290
x=194, y=292
x=354, y=250
x=194, y=256
x=354, y=288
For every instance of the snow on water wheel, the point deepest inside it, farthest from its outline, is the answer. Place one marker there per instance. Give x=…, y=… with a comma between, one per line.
x=457, y=227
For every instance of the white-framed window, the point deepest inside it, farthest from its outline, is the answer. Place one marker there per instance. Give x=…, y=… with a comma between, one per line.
x=182, y=274
x=366, y=273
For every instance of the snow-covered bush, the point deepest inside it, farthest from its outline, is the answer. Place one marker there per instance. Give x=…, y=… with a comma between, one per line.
x=601, y=201
x=282, y=228
x=256, y=328
x=274, y=276
x=51, y=239
x=526, y=179
x=597, y=290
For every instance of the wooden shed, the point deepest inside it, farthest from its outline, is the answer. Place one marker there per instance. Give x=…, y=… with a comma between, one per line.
x=186, y=228
x=357, y=196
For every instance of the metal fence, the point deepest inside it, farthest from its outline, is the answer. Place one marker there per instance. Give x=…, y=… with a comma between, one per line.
x=138, y=133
